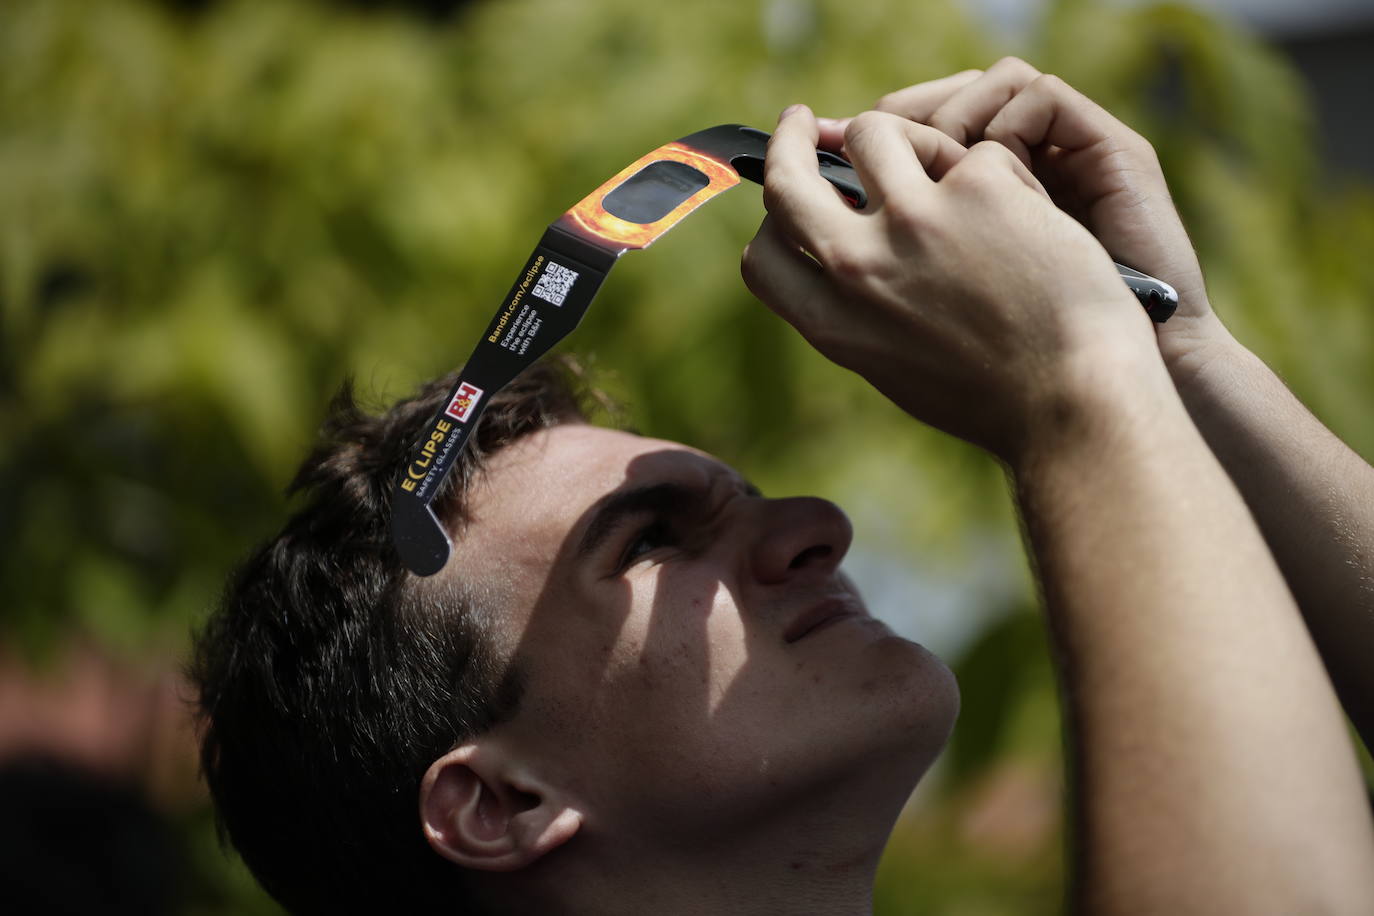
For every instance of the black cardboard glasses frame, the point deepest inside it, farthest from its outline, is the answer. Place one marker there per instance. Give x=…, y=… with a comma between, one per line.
x=554, y=288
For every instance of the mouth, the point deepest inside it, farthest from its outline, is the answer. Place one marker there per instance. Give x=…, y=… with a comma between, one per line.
x=822, y=615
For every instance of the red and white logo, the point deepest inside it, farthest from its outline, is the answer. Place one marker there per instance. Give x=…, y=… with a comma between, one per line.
x=464, y=402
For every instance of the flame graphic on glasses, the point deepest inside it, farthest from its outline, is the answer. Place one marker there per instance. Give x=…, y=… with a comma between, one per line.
x=590, y=219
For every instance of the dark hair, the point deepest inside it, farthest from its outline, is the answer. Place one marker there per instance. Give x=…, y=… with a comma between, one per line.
x=329, y=677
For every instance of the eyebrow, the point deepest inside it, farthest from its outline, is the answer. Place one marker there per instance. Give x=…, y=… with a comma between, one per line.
x=613, y=510
x=661, y=498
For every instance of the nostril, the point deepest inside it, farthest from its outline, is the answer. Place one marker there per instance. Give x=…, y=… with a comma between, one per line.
x=815, y=552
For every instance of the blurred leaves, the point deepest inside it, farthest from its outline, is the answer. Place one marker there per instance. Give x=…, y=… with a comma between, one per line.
x=212, y=216
x=1008, y=694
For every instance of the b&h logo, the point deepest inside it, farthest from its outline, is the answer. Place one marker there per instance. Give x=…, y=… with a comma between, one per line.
x=464, y=402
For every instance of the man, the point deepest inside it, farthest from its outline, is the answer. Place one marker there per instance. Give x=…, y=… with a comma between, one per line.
x=640, y=686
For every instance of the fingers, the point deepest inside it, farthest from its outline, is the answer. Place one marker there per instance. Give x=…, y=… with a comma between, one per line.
x=1013, y=103
x=1050, y=111
x=884, y=157
x=915, y=103
x=1010, y=161
x=786, y=279
x=832, y=133
x=1016, y=105
x=894, y=156
x=805, y=205
x=967, y=112
x=919, y=102
x=989, y=162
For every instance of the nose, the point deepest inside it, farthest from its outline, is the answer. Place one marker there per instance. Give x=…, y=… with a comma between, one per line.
x=799, y=536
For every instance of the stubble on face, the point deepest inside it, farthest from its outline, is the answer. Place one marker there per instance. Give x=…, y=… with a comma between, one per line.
x=668, y=684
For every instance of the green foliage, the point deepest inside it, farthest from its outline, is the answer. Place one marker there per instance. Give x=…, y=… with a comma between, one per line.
x=212, y=218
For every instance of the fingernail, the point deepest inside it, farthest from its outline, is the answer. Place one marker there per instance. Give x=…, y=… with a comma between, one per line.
x=789, y=111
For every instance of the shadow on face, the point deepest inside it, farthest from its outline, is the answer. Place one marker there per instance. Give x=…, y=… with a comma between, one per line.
x=697, y=665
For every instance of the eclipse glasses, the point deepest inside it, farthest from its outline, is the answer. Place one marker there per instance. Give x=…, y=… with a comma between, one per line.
x=550, y=295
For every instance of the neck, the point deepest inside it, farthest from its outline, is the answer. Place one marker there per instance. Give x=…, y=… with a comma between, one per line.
x=818, y=856
x=824, y=876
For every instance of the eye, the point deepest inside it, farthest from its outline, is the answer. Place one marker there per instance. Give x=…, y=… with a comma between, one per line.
x=658, y=533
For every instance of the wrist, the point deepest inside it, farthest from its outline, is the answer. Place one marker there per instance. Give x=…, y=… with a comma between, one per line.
x=1194, y=348
x=1213, y=373
x=1104, y=393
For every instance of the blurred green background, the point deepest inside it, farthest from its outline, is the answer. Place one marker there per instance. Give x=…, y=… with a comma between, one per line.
x=214, y=211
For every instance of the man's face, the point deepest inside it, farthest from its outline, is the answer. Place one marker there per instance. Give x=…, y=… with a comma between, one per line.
x=693, y=654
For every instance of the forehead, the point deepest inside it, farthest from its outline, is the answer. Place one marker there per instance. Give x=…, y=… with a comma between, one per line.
x=535, y=492
x=578, y=462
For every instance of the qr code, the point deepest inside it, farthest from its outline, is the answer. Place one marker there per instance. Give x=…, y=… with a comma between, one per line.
x=555, y=283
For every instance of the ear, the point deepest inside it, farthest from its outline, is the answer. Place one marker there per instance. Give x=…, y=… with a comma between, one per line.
x=480, y=810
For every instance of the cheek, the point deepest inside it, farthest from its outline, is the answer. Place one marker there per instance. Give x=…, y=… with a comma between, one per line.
x=682, y=646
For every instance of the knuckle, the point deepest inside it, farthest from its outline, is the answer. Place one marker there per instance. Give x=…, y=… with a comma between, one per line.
x=847, y=264
x=990, y=149
x=1013, y=65
x=968, y=179
x=950, y=124
x=866, y=122
x=981, y=170
x=1142, y=147
x=1050, y=84
x=998, y=132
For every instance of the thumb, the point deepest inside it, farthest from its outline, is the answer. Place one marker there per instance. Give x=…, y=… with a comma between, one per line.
x=788, y=280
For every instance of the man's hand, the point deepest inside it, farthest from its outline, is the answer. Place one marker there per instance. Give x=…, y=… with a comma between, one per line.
x=1094, y=167
x=1212, y=768
x=1310, y=493
x=961, y=292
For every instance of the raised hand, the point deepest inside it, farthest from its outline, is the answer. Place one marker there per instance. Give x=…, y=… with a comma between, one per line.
x=961, y=292
x=1094, y=167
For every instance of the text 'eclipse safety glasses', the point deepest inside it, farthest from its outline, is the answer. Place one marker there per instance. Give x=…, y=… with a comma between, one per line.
x=551, y=294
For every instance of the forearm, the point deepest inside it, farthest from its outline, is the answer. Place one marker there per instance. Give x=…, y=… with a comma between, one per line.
x=1215, y=774
x=1312, y=496
x=1212, y=766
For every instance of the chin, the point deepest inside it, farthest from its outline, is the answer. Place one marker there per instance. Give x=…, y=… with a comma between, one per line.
x=893, y=729
x=912, y=701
